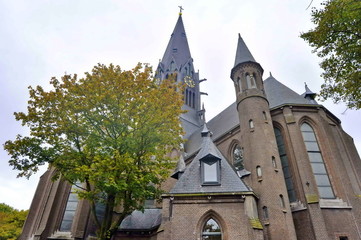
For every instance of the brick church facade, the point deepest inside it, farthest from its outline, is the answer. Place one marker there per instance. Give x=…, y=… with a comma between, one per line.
x=274, y=165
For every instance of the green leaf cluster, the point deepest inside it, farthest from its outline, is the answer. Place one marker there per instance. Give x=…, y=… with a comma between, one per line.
x=11, y=222
x=337, y=40
x=111, y=131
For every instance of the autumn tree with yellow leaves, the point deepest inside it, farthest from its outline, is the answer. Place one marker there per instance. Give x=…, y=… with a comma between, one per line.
x=110, y=131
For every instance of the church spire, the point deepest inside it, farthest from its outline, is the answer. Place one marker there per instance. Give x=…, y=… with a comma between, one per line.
x=177, y=53
x=177, y=61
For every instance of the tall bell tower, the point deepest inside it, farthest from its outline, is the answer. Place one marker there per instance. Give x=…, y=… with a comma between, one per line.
x=178, y=62
x=257, y=139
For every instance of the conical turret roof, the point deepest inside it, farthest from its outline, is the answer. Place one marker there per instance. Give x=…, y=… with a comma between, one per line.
x=243, y=54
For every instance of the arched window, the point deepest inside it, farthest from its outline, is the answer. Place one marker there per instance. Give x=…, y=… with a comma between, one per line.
x=239, y=82
x=285, y=166
x=211, y=230
x=193, y=100
x=318, y=166
x=264, y=115
x=251, y=124
x=70, y=209
x=251, y=80
x=259, y=172
x=282, y=201
x=274, y=164
x=238, y=157
x=265, y=212
x=172, y=66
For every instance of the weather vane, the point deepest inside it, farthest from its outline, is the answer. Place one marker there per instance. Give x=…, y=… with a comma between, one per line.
x=180, y=10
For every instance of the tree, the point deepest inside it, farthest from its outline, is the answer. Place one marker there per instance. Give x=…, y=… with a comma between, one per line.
x=11, y=222
x=337, y=39
x=110, y=131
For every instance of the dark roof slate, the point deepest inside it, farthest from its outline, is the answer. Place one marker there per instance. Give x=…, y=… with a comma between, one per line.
x=277, y=95
x=138, y=220
x=177, y=49
x=190, y=181
x=242, y=54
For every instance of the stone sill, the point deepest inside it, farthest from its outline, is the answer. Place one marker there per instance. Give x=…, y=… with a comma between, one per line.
x=334, y=203
x=61, y=236
x=297, y=206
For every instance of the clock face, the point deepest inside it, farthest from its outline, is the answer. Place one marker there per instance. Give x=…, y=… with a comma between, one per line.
x=189, y=81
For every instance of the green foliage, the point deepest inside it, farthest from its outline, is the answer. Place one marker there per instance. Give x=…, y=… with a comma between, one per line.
x=337, y=39
x=11, y=222
x=110, y=130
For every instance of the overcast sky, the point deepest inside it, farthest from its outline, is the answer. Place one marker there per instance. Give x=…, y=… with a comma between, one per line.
x=40, y=39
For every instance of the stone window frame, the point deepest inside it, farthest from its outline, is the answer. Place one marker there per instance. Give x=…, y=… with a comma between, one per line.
x=285, y=164
x=70, y=208
x=210, y=161
x=206, y=234
x=315, y=149
x=217, y=218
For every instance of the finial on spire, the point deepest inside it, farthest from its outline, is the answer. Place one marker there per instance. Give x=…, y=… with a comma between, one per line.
x=270, y=74
x=180, y=10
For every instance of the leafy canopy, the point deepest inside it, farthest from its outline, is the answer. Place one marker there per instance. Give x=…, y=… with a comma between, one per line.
x=11, y=222
x=337, y=40
x=110, y=131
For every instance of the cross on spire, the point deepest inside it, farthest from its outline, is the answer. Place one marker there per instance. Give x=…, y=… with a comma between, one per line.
x=180, y=10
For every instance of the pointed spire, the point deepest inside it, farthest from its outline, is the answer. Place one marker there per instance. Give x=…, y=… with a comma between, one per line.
x=177, y=50
x=205, y=132
x=242, y=54
x=309, y=95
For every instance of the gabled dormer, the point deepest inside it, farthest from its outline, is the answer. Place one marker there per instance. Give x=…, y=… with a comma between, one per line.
x=209, y=172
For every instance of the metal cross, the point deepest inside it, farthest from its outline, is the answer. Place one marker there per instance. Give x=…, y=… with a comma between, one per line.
x=180, y=9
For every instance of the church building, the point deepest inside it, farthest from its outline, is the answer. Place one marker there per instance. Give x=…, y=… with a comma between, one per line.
x=274, y=165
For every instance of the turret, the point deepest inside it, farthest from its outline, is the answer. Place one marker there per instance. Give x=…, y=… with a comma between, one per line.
x=257, y=138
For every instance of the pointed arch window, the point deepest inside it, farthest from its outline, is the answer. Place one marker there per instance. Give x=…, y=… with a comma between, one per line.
x=193, y=99
x=318, y=166
x=172, y=66
x=259, y=172
x=251, y=124
x=211, y=230
x=285, y=166
x=70, y=209
x=265, y=213
x=238, y=157
x=239, y=83
x=251, y=80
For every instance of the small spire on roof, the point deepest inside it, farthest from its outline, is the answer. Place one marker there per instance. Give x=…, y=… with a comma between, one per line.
x=309, y=95
x=205, y=132
x=180, y=10
x=270, y=74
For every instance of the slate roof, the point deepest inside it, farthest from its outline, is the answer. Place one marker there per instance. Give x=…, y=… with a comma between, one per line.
x=190, y=181
x=277, y=94
x=242, y=54
x=177, y=49
x=147, y=220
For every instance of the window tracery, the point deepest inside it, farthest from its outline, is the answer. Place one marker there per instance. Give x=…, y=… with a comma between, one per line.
x=211, y=230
